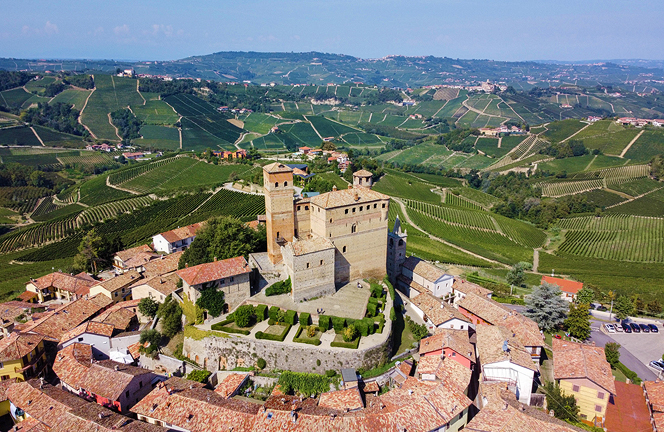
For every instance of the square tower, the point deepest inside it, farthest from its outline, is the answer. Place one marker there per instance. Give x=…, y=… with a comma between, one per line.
x=279, y=217
x=396, y=251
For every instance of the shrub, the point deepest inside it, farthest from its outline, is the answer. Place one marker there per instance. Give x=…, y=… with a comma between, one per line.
x=281, y=287
x=330, y=373
x=212, y=300
x=629, y=373
x=338, y=323
x=271, y=322
x=376, y=290
x=324, y=323
x=171, y=316
x=261, y=363
x=362, y=327
x=393, y=314
x=269, y=336
x=244, y=315
x=419, y=331
x=350, y=333
x=151, y=336
x=148, y=307
x=381, y=324
x=274, y=311
x=352, y=344
x=307, y=384
x=261, y=312
x=304, y=318
x=372, y=309
x=290, y=317
x=221, y=327
x=311, y=331
x=200, y=376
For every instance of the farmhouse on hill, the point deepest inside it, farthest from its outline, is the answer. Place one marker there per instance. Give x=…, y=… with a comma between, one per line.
x=176, y=240
x=569, y=289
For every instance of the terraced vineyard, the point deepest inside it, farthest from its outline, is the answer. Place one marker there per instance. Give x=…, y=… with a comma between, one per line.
x=226, y=202
x=111, y=210
x=38, y=234
x=460, y=201
x=601, y=179
x=21, y=199
x=615, y=237
x=121, y=177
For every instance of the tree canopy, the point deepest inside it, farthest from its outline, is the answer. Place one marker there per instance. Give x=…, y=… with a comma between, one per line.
x=546, y=307
x=223, y=238
x=578, y=321
x=623, y=307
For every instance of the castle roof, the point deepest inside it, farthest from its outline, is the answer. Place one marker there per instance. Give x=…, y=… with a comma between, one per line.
x=346, y=197
x=362, y=173
x=277, y=167
x=314, y=244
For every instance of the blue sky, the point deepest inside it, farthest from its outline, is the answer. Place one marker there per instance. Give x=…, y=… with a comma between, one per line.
x=167, y=29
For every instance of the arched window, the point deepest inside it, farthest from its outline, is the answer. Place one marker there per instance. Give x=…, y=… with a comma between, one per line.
x=285, y=183
x=400, y=242
x=353, y=228
x=344, y=249
x=277, y=234
x=391, y=242
x=276, y=184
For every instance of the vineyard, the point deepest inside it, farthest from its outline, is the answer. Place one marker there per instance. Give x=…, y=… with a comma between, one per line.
x=111, y=210
x=460, y=201
x=21, y=199
x=37, y=234
x=228, y=203
x=118, y=178
x=615, y=237
x=600, y=179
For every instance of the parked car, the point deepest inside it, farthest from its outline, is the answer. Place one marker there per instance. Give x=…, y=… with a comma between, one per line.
x=657, y=364
x=610, y=328
x=644, y=328
x=619, y=328
x=626, y=327
x=653, y=328
x=635, y=327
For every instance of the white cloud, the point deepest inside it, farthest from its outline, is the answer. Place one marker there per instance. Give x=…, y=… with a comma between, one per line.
x=50, y=28
x=122, y=30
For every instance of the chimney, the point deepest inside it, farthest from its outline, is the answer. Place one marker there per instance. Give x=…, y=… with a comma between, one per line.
x=334, y=188
x=215, y=259
x=117, y=368
x=186, y=265
x=551, y=413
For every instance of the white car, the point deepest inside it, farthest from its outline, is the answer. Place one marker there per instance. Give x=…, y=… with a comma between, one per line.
x=610, y=328
x=618, y=328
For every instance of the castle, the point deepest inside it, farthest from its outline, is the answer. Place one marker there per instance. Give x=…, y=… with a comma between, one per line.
x=329, y=239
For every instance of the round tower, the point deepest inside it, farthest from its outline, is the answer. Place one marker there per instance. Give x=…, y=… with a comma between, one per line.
x=362, y=178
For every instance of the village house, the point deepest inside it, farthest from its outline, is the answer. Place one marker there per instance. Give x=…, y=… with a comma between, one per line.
x=176, y=240
x=157, y=288
x=60, y=285
x=582, y=371
x=231, y=154
x=232, y=276
x=97, y=335
x=568, y=289
x=161, y=266
x=482, y=311
x=13, y=311
x=133, y=259
x=118, y=288
x=444, y=369
x=231, y=384
x=22, y=356
x=5, y=404
x=654, y=392
x=436, y=313
x=425, y=275
x=109, y=383
x=504, y=359
x=133, y=155
x=454, y=344
x=461, y=288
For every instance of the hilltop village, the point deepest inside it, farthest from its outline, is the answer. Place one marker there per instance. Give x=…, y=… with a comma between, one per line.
x=322, y=306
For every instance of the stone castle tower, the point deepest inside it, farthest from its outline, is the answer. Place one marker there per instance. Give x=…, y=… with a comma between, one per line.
x=396, y=251
x=278, y=189
x=362, y=178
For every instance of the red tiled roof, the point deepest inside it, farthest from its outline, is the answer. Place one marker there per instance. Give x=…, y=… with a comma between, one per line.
x=178, y=234
x=54, y=324
x=62, y=281
x=17, y=345
x=573, y=360
x=91, y=327
x=565, y=285
x=629, y=411
x=4, y=385
x=213, y=271
x=456, y=340
x=27, y=295
x=655, y=390
x=231, y=384
x=126, y=254
x=342, y=400
x=162, y=265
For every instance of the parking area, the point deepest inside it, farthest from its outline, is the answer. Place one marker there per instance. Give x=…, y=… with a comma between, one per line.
x=644, y=346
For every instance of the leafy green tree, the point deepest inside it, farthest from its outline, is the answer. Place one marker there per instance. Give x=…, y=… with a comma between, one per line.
x=639, y=305
x=200, y=376
x=623, y=307
x=546, y=307
x=654, y=307
x=222, y=238
x=261, y=363
x=148, y=307
x=350, y=333
x=88, y=251
x=612, y=353
x=578, y=321
x=516, y=275
x=153, y=337
x=170, y=315
x=212, y=300
x=585, y=295
x=244, y=315
x=564, y=406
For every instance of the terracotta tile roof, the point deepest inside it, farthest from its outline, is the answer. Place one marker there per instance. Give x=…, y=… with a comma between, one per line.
x=95, y=418
x=140, y=260
x=490, y=347
x=306, y=246
x=277, y=167
x=119, y=318
x=422, y=268
x=342, y=400
x=658, y=419
x=363, y=173
x=434, y=308
x=565, y=285
x=135, y=350
x=48, y=409
x=428, y=364
x=412, y=284
x=121, y=281
x=182, y=233
x=30, y=424
x=164, y=264
x=456, y=340
x=4, y=385
x=17, y=345
x=11, y=309
x=526, y=330
x=574, y=360
x=101, y=300
x=27, y=296
x=370, y=387
x=347, y=197
x=503, y=413
x=62, y=281
x=655, y=391
x=162, y=284
x=126, y=254
x=454, y=373
x=54, y=324
x=628, y=410
x=466, y=287
x=231, y=384
x=90, y=327
x=213, y=271
x=106, y=378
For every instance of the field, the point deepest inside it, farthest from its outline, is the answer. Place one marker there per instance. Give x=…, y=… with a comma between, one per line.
x=95, y=192
x=72, y=97
x=260, y=123
x=111, y=210
x=559, y=131
x=607, y=136
x=35, y=158
x=112, y=93
x=596, y=180
x=328, y=128
x=602, y=198
x=651, y=204
x=58, y=139
x=160, y=137
x=14, y=98
x=21, y=135
x=155, y=112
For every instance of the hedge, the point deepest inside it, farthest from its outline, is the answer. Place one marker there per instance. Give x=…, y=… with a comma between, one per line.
x=352, y=345
x=372, y=308
x=305, y=318
x=274, y=310
x=381, y=324
x=324, y=322
x=229, y=329
x=305, y=340
x=281, y=287
x=629, y=373
x=261, y=311
x=338, y=323
x=269, y=336
x=291, y=317
x=362, y=327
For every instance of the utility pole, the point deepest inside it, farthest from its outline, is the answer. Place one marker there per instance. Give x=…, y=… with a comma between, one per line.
x=611, y=311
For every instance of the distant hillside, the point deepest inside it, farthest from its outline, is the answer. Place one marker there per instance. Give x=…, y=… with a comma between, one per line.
x=392, y=71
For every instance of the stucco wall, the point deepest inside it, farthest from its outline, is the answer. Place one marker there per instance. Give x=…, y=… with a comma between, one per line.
x=312, y=274
x=235, y=292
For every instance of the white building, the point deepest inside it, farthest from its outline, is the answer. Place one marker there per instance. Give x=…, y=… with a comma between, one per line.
x=503, y=359
x=428, y=276
x=176, y=240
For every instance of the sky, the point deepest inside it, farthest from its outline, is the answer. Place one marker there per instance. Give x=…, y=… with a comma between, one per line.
x=469, y=29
